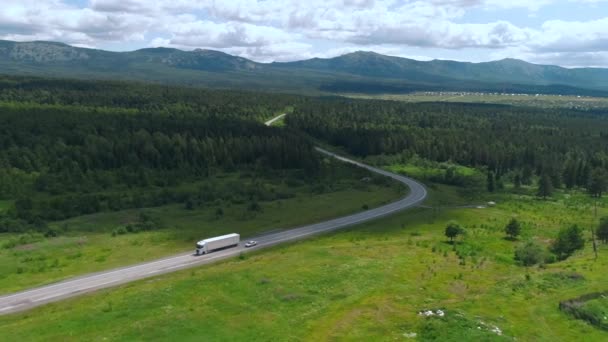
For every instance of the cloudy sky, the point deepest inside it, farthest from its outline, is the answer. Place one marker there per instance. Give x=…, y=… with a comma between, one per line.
x=564, y=32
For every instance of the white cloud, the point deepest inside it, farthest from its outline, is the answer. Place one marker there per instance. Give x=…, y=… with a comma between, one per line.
x=224, y=35
x=268, y=30
x=573, y=36
x=55, y=20
x=572, y=59
x=280, y=52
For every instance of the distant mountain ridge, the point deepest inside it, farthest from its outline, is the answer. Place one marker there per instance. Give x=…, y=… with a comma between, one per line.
x=358, y=71
x=506, y=70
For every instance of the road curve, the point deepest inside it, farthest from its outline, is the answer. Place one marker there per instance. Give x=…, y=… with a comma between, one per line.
x=72, y=287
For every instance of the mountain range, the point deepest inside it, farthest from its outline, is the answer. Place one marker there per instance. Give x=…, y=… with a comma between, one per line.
x=358, y=72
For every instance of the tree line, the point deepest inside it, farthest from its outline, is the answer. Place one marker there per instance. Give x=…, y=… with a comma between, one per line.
x=143, y=97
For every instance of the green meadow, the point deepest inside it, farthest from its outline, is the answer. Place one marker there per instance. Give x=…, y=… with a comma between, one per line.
x=89, y=243
x=532, y=100
x=366, y=283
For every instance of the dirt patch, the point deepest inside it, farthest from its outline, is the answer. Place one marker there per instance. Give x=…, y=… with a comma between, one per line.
x=290, y=297
x=26, y=247
x=459, y=288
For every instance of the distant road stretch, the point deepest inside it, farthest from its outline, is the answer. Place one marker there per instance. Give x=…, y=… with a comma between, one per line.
x=31, y=298
x=271, y=121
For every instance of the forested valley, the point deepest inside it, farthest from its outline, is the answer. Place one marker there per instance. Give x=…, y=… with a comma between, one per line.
x=69, y=148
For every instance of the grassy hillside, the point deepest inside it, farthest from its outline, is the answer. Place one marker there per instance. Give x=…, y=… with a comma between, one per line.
x=367, y=283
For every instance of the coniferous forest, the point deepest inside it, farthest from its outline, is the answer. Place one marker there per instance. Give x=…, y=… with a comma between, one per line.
x=69, y=148
x=567, y=147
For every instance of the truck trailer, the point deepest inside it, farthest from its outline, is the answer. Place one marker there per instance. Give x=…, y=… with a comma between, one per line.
x=218, y=242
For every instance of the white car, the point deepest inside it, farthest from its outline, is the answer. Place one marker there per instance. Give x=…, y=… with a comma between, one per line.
x=251, y=243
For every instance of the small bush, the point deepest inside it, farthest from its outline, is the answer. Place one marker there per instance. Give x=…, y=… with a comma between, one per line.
x=254, y=206
x=51, y=233
x=143, y=223
x=130, y=228
x=119, y=231
x=219, y=212
x=529, y=254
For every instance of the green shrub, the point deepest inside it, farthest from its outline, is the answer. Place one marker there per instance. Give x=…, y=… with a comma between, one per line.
x=51, y=233
x=119, y=231
x=530, y=253
x=254, y=206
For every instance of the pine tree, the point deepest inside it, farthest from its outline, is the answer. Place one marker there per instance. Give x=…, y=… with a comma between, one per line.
x=513, y=229
x=491, y=182
x=598, y=182
x=526, y=175
x=569, y=176
x=517, y=181
x=602, y=229
x=545, y=188
x=568, y=241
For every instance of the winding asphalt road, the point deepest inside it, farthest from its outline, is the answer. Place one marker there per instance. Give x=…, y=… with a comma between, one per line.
x=31, y=298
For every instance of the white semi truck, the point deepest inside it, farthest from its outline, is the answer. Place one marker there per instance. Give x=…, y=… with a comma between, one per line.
x=218, y=242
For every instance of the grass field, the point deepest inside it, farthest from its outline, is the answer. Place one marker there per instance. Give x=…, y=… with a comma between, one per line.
x=86, y=243
x=366, y=283
x=549, y=101
x=419, y=171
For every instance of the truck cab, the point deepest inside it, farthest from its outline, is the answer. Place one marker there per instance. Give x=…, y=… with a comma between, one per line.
x=201, y=248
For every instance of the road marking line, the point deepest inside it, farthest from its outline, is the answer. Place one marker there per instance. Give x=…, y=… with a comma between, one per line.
x=10, y=307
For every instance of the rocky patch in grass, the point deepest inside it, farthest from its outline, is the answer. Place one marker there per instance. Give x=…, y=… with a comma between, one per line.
x=591, y=307
x=442, y=325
